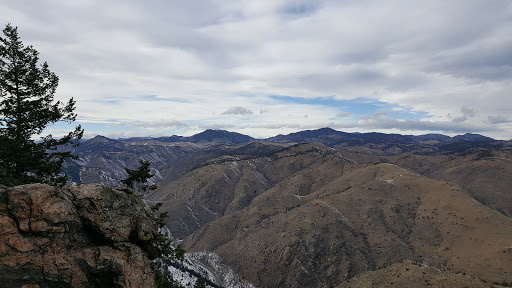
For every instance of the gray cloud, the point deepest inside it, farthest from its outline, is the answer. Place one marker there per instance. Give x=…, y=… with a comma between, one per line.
x=336, y=80
x=499, y=119
x=274, y=126
x=375, y=115
x=417, y=125
x=488, y=59
x=154, y=124
x=466, y=113
x=237, y=110
x=302, y=8
x=280, y=126
x=343, y=114
x=216, y=126
x=460, y=119
x=385, y=123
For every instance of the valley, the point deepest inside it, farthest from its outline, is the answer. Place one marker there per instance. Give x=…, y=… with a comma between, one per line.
x=325, y=208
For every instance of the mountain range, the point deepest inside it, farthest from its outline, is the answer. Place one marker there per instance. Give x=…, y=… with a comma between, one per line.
x=326, y=136
x=325, y=208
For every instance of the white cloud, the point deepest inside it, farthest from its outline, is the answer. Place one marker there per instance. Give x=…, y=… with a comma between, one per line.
x=430, y=57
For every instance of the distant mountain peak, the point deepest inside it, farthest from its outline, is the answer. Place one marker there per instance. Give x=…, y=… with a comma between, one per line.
x=220, y=137
x=99, y=139
x=214, y=132
x=327, y=129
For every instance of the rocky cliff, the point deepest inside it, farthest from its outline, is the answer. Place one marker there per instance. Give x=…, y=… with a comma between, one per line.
x=83, y=236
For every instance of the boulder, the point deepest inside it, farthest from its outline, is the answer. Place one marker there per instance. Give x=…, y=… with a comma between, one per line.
x=82, y=236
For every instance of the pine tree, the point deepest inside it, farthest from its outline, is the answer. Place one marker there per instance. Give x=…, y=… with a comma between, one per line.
x=138, y=179
x=200, y=283
x=27, y=107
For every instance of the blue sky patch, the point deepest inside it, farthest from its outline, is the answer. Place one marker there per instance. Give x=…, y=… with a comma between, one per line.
x=358, y=106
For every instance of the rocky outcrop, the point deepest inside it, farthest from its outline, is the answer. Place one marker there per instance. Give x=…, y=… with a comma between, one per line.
x=83, y=236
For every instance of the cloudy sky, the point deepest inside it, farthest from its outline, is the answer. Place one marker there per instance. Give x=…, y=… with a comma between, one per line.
x=262, y=68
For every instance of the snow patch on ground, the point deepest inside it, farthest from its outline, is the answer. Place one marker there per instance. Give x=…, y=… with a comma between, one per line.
x=249, y=162
x=227, y=178
x=83, y=160
x=208, y=210
x=183, y=278
x=391, y=164
x=211, y=264
x=192, y=213
x=202, y=264
x=235, y=168
x=260, y=177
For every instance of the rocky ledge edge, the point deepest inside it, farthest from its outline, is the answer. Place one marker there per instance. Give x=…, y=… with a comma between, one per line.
x=81, y=236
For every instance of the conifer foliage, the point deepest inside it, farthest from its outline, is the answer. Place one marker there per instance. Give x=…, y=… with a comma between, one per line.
x=139, y=179
x=27, y=107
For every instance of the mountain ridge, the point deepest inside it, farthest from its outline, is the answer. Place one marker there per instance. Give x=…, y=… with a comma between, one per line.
x=389, y=144
x=210, y=134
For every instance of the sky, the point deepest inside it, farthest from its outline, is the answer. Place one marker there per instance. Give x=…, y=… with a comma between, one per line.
x=263, y=68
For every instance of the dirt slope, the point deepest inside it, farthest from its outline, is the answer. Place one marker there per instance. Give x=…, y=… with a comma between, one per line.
x=362, y=219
